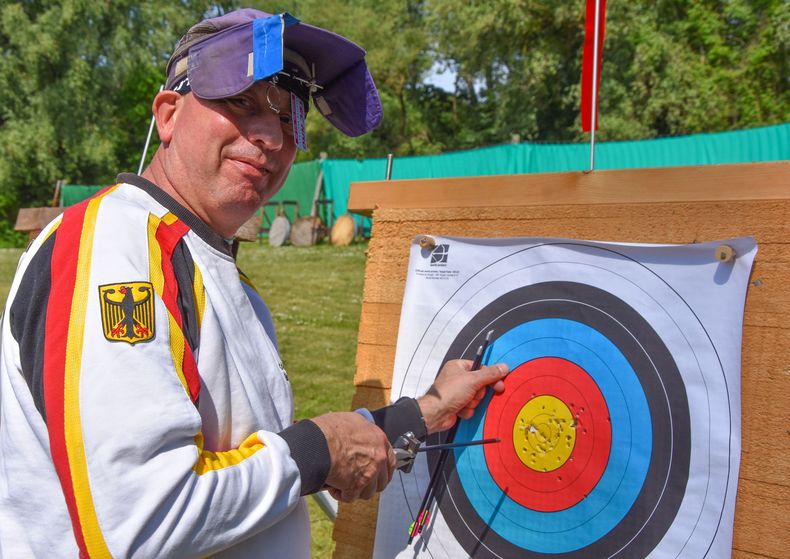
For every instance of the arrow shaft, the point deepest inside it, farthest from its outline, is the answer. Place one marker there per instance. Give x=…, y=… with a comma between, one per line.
x=457, y=445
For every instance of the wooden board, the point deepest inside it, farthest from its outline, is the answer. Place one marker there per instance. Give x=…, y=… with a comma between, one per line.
x=249, y=229
x=343, y=231
x=767, y=181
x=33, y=220
x=307, y=231
x=679, y=205
x=279, y=231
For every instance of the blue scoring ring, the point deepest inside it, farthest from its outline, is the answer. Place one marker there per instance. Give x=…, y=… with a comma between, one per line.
x=639, y=494
x=615, y=493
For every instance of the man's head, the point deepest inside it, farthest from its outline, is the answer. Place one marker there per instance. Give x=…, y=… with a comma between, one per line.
x=229, y=116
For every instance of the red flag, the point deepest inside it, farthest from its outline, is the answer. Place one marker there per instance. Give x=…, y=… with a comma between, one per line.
x=587, y=62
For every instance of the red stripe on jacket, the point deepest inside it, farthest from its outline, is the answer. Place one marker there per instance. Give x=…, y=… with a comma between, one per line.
x=168, y=237
x=65, y=257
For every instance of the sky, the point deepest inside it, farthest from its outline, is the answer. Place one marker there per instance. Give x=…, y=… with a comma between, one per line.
x=441, y=77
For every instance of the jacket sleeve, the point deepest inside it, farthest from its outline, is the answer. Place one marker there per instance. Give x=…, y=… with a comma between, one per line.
x=400, y=417
x=119, y=390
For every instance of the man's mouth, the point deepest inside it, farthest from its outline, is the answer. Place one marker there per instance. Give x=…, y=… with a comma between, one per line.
x=250, y=166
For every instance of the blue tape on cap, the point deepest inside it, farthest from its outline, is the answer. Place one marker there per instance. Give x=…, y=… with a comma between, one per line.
x=267, y=44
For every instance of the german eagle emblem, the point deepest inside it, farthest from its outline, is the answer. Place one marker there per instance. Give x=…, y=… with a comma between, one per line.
x=127, y=312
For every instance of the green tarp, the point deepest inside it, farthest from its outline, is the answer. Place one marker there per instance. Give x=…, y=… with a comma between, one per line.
x=70, y=194
x=299, y=187
x=770, y=143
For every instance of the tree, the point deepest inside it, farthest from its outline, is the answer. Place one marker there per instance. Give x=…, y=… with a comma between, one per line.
x=670, y=67
x=76, y=83
x=679, y=67
x=395, y=39
x=77, y=77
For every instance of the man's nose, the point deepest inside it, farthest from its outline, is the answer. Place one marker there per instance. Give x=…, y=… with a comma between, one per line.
x=266, y=130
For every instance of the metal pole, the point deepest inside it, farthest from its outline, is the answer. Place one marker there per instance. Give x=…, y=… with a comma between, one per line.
x=148, y=138
x=319, y=182
x=388, y=176
x=327, y=504
x=593, y=112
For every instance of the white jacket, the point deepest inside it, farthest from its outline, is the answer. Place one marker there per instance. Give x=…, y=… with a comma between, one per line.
x=141, y=416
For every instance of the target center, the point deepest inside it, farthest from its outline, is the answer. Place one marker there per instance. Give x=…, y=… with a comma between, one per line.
x=544, y=433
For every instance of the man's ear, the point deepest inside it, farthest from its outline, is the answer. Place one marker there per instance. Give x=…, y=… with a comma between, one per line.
x=165, y=109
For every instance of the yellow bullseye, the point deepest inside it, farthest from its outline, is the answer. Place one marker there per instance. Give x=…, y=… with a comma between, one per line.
x=544, y=433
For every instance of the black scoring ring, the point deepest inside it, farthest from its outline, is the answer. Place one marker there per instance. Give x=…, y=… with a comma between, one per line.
x=662, y=492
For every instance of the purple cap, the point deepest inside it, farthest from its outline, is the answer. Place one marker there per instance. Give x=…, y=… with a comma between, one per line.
x=216, y=55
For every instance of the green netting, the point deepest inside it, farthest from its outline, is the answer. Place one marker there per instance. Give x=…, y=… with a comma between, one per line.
x=299, y=187
x=771, y=143
x=70, y=194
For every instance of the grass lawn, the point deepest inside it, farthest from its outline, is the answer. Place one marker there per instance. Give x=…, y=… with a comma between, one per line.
x=315, y=296
x=8, y=261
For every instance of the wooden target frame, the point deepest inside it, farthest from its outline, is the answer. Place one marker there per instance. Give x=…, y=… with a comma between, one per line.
x=676, y=205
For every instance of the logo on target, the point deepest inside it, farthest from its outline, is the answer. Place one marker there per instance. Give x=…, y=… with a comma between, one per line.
x=439, y=255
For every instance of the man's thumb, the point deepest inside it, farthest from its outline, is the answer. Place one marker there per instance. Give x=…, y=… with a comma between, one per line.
x=493, y=373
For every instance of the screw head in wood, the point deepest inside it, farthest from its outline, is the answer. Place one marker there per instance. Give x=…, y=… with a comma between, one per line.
x=724, y=253
x=427, y=242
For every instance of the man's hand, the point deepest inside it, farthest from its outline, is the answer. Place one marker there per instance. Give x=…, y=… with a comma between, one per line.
x=362, y=458
x=457, y=391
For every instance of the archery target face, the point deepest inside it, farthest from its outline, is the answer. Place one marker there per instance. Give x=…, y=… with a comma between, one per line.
x=596, y=457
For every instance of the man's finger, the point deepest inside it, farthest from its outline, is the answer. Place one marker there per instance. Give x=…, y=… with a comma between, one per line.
x=383, y=479
x=369, y=490
x=465, y=364
x=347, y=496
x=490, y=374
x=391, y=463
x=385, y=471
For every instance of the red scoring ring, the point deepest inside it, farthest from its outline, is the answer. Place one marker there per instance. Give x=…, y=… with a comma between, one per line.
x=570, y=483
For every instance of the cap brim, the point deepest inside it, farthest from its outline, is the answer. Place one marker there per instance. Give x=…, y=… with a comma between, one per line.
x=219, y=67
x=216, y=68
x=348, y=98
x=352, y=102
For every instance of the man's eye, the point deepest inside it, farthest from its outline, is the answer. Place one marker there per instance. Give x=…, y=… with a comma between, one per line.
x=240, y=103
x=286, y=120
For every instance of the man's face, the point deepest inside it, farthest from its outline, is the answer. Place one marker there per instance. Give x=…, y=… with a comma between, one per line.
x=228, y=157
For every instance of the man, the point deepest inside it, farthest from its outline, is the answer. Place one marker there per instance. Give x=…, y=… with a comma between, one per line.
x=144, y=409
